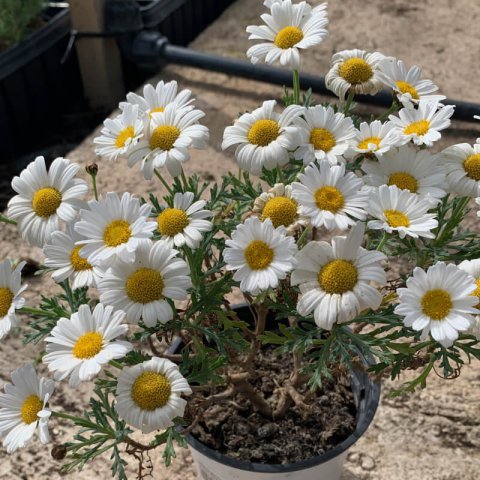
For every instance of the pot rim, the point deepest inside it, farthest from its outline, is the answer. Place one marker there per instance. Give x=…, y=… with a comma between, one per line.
x=368, y=397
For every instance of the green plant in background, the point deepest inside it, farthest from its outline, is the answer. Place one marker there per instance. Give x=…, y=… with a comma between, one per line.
x=16, y=18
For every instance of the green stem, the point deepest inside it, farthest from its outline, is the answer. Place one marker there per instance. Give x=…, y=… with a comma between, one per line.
x=40, y=313
x=94, y=185
x=84, y=423
x=393, y=108
x=116, y=364
x=165, y=184
x=382, y=241
x=281, y=177
x=296, y=87
x=348, y=103
x=7, y=220
x=185, y=182
x=69, y=294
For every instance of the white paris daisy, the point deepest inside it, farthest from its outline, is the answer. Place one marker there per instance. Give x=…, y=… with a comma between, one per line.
x=10, y=299
x=45, y=197
x=330, y=197
x=23, y=408
x=184, y=223
x=78, y=346
x=145, y=288
x=401, y=211
x=324, y=133
x=155, y=99
x=462, y=165
x=288, y=28
x=264, y=137
x=113, y=228
x=278, y=205
x=438, y=301
x=260, y=254
x=119, y=134
x=417, y=171
x=63, y=256
x=355, y=71
x=167, y=140
x=422, y=125
x=472, y=267
x=373, y=138
x=335, y=279
x=407, y=85
x=149, y=394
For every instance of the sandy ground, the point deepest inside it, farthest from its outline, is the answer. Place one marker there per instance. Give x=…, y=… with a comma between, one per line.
x=431, y=435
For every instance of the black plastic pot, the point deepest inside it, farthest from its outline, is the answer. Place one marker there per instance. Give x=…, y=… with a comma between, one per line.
x=36, y=90
x=213, y=465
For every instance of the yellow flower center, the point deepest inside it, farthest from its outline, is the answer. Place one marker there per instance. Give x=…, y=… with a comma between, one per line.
x=406, y=87
x=472, y=166
x=396, y=218
x=263, y=132
x=116, y=233
x=123, y=136
x=436, y=304
x=30, y=408
x=88, y=345
x=46, y=201
x=404, y=181
x=417, y=128
x=329, y=198
x=280, y=210
x=476, y=292
x=258, y=255
x=364, y=144
x=322, y=139
x=355, y=71
x=145, y=285
x=288, y=37
x=338, y=276
x=156, y=110
x=163, y=137
x=151, y=390
x=79, y=263
x=172, y=221
x=6, y=298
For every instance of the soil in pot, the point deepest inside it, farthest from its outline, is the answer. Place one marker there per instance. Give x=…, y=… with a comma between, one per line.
x=237, y=430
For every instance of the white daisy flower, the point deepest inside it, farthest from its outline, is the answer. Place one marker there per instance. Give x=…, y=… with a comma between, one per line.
x=63, y=256
x=23, y=408
x=356, y=71
x=10, y=299
x=78, y=346
x=472, y=267
x=422, y=125
x=407, y=85
x=142, y=288
x=324, y=133
x=288, y=28
x=264, y=137
x=374, y=138
x=417, y=171
x=278, y=205
x=438, y=301
x=149, y=394
x=260, y=254
x=462, y=165
x=335, y=279
x=119, y=134
x=167, y=140
x=330, y=197
x=155, y=99
x=113, y=228
x=401, y=211
x=185, y=222
x=45, y=197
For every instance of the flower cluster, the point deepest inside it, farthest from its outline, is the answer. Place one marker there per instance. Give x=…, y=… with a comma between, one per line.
x=351, y=226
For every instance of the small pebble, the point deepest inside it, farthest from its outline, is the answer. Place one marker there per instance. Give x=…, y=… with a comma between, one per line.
x=368, y=463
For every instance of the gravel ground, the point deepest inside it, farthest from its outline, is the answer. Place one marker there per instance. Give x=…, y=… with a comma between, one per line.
x=431, y=435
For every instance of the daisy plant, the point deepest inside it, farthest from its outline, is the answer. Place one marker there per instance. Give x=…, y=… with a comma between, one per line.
x=344, y=235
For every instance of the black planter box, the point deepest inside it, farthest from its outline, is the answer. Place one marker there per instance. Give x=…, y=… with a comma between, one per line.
x=36, y=89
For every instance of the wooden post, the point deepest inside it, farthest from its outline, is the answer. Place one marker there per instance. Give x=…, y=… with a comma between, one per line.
x=99, y=58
